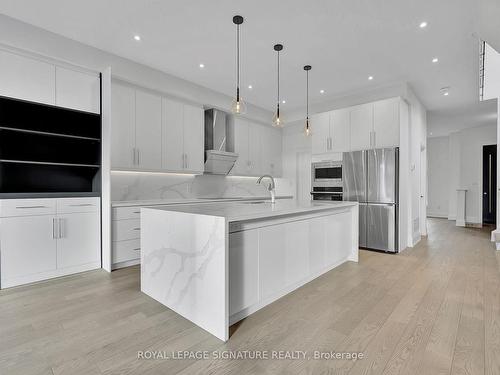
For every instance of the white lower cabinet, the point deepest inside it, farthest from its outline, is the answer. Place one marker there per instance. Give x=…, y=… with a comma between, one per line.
x=244, y=266
x=46, y=238
x=28, y=246
x=79, y=234
x=268, y=259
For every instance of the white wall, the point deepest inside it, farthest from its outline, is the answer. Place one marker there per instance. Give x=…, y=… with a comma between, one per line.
x=439, y=176
x=463, y=170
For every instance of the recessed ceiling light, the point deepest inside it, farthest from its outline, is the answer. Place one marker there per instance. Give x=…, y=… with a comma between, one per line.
x=445, y=91
x=435, y=60
x=423, y=25
x=137, y=37
x=250, y=87
x=430, y=133
x=370, y=78
x=321, y=91
x=283, y=101
x=202, y=66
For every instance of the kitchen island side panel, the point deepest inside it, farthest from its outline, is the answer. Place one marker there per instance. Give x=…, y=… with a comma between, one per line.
x=184, y=266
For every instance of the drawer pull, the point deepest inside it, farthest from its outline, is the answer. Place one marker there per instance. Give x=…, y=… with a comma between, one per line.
x=137, y=249
x=137, y=212
x=137, y=228
x=81, y=205
x=32, y=207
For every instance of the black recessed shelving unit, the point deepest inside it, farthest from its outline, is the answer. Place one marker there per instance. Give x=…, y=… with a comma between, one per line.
x=48, y=151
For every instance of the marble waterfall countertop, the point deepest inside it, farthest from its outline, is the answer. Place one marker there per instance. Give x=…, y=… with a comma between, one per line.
x=251, y=210
x=159, y=202
x=192, y=263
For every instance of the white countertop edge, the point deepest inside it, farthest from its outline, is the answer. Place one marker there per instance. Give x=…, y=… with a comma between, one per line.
x=286, y=211
x=164, y=202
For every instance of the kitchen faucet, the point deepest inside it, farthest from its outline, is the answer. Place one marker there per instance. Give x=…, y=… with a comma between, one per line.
x=271, y=186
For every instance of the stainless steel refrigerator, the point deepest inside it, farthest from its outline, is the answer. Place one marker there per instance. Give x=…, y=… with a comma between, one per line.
x=371, y=177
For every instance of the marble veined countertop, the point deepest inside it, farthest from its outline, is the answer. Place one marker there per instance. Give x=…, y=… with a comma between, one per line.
x=159, y=202
x=239, y=211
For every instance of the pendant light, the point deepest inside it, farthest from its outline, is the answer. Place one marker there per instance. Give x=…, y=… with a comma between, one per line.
x=277, y=119
x=307, y=129
x=238, y=107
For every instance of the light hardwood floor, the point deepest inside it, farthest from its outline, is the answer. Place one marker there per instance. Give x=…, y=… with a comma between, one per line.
x=434, y=309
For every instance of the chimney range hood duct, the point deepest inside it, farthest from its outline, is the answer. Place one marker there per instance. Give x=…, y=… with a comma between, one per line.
x=218, y=160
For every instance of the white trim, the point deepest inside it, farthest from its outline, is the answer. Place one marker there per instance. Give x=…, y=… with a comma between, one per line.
x=22, y=280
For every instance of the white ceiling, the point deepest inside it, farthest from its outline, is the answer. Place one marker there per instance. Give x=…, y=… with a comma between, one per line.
x=344, y=41
x=443, y=122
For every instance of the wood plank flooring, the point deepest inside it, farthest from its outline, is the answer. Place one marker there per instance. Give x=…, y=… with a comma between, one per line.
x=434, y=309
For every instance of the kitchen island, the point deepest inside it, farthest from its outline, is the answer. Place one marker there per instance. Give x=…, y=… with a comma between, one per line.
x=217, y=263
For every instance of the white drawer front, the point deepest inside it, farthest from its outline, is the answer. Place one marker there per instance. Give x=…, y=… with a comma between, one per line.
x=27, y=207
x=126, y=230
x=124, y=251
x=70, y=205
x=123, y=213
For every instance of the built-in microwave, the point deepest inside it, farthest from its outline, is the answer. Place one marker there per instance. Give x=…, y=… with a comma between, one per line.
x=327, y=172
x=326, y=181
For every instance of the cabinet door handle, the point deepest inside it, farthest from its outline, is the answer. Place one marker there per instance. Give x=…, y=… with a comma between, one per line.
x=61, y=228
x=137, y=249
x=137, y=212
x=133, y=155
x=137, y=229
x=54, y=234
x=21, y=207
x=186, y=156
x=138, y=156
x=82, y=205
x=374, y=139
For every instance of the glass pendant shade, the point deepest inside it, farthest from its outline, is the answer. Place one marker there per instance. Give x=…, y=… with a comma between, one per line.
x=307, y=129
x=278, y=121
x=238, y=106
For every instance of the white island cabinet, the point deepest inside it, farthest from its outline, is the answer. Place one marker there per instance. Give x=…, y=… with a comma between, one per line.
x=217, y=263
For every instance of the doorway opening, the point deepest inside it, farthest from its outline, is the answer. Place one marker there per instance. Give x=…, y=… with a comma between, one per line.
x=489, y=184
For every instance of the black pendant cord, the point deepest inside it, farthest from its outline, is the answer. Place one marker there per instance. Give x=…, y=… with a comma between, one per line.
x=238, y=63
x=307, y=96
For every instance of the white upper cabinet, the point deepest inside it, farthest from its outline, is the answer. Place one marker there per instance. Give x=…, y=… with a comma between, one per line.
x=77, y=90
x=361, y=127
x=28, y=79
x=258, y=148
x=340, y=136
x=320, y=128
x=148, y=130
x=123, y=153
x=386, y=123
x=183, y=137
x=172, y=135
x=194, y=138
x=254, y=149
x=153, y=133
x=271, y=144
x=38, y=81
x=242, y=165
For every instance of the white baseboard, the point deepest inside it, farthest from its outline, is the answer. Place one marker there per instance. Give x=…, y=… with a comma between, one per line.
x=127, y=263
x=47, y=275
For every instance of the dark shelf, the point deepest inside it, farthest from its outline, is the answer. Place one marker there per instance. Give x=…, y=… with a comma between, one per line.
x=48, y=151
x=20, y=114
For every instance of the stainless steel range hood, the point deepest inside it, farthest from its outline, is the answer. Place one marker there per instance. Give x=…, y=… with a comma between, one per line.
x=218, y=160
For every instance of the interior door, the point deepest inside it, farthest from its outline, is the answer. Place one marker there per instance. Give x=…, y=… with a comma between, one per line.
x=148, y=130
x=382, y=175
x=489, y=184
x=172, y=135
x=354, y=176
x=79, y=239
x=381, y=227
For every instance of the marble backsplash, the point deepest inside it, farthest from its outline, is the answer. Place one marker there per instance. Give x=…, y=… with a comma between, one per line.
x=127, y=186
